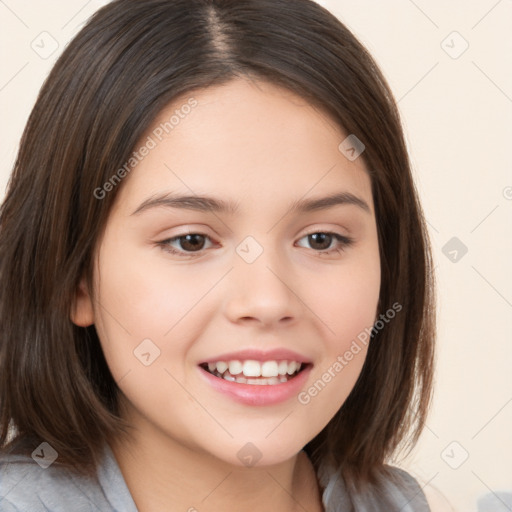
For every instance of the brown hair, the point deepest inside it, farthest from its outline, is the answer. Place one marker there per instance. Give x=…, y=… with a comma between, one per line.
x=130, y=60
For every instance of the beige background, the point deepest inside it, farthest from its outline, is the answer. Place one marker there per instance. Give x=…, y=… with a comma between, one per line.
x=456, y=104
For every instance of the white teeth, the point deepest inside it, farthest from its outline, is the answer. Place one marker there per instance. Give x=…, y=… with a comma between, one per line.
x=222, y=366
x=282, y=367
x=292, y=366
x=264, y=382
x=269, y=369
x=252, y=368
x=235, y=367
x=266, y=372
x=256, y=382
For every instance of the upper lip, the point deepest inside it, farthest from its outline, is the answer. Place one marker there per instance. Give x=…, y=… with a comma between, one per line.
x=277, y=354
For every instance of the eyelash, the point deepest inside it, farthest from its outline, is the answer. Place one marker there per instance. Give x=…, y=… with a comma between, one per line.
x=344, y=242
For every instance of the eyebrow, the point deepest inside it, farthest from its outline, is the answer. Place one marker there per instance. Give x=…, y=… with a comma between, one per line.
x=213, y=205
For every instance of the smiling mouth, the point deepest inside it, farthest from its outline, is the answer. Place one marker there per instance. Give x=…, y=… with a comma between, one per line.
x=250, y=372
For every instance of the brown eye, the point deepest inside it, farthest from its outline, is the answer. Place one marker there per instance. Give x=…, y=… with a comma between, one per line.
x=193, y=242
x=320, y=241
x=326, y=243
x=189, y=244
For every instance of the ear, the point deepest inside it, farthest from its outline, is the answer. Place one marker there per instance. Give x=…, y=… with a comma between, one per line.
x=82, y=312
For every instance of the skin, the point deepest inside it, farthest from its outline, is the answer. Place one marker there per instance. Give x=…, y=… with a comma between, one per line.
x=262, y=147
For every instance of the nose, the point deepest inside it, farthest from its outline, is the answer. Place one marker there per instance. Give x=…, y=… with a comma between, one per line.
x=262, y=292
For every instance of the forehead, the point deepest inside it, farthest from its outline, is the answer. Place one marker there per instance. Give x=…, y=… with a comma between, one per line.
x=247, y=141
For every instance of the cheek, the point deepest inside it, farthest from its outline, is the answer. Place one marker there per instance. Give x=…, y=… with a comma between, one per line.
x=347, y=302
x=145, y=293
x=347, y=306
x=136, y=301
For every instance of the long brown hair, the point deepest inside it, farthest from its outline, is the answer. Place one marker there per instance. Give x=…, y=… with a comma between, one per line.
x=131, y=59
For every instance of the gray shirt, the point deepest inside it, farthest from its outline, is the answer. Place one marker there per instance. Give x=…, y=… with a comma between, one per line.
x=27, y=487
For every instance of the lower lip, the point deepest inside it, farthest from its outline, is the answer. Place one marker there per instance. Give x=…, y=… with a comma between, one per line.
x=254, y=394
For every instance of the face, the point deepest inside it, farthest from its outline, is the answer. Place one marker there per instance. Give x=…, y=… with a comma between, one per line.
x=249, y=270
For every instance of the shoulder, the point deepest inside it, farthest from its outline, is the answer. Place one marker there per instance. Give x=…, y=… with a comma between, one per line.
x=392, y=489
x=26, y=486
x=405, y=489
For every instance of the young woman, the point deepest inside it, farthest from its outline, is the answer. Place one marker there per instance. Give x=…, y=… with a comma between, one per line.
x=216, y=288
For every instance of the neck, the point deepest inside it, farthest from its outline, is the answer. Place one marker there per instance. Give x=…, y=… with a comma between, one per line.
x=164, y=475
